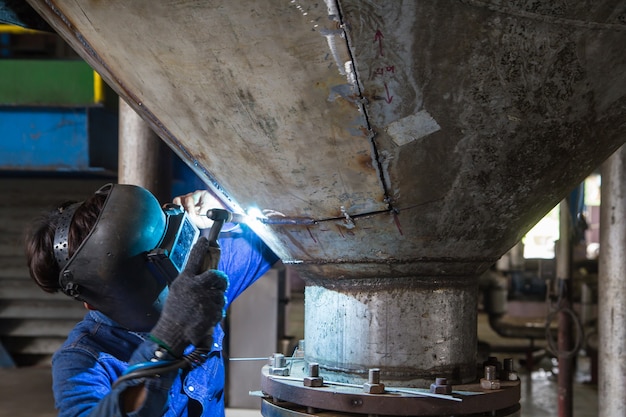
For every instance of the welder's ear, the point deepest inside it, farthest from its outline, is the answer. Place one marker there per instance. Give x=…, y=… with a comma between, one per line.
x=89, y=307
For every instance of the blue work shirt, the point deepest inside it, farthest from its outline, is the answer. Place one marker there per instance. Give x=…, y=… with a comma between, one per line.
x=98, y=351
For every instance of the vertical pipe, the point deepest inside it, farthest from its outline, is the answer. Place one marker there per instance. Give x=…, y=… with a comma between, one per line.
x=564, y=282
x=144, y=159
x=612, y=288
x=412, y=329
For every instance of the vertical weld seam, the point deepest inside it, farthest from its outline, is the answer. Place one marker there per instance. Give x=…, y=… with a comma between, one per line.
x=361, y=104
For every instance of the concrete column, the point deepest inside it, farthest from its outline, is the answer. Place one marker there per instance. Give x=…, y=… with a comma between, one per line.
x=144, y=159
x=612, y=288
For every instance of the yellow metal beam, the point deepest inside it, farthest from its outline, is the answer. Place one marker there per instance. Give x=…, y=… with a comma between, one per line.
x=17, y=30
x=98, y=88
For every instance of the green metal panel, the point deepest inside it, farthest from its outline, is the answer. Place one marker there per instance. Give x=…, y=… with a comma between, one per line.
x=46, y=82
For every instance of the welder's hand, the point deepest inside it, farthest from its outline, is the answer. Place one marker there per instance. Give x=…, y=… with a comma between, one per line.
x=194, y=305
x=212, y=258
x=197, y=204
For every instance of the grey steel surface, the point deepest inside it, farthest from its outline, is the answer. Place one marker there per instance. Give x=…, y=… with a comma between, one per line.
x=413, y=330
x=412, y=134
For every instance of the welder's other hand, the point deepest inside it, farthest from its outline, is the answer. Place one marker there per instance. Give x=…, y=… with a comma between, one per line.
x=197, y=204
x=194, y=305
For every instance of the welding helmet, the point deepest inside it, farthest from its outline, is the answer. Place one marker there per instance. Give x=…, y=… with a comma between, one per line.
x=133, y=252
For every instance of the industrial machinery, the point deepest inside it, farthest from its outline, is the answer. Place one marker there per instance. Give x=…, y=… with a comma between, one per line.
x=402, y=147
x=292, y=388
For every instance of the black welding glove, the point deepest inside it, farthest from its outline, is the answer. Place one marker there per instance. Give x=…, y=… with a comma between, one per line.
x=194, y=305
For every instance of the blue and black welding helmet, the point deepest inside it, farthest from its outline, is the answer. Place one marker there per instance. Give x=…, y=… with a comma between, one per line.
x=134, y=251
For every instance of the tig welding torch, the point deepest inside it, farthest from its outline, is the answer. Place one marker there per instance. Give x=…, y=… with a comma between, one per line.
x=219, y=217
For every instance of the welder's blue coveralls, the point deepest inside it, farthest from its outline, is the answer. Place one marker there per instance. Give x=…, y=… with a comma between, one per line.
x=97, y=352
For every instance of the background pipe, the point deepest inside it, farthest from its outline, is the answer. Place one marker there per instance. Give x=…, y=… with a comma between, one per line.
x=143, y=159
x=564, y=283
x=612, y=288
x=494, y=287
x=413, y=329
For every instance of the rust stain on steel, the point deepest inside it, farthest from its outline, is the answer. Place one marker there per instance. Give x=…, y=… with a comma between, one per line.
x=396, y=219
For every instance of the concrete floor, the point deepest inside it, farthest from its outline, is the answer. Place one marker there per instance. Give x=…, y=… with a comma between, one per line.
x=25, y=392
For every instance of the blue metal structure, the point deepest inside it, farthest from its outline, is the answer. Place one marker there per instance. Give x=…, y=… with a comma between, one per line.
x=44, y=138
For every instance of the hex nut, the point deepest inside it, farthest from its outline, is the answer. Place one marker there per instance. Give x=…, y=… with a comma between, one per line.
x=278, y=360
x=441, y=386
x=315, y=381
x=279, y=371
x=490, y=383
x=512, y=376
x=508, y=371
x=369, y=388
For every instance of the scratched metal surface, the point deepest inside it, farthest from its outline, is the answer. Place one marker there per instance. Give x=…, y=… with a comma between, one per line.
x=421, y=138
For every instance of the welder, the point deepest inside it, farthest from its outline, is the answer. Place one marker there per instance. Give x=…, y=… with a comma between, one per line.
x=151, y=342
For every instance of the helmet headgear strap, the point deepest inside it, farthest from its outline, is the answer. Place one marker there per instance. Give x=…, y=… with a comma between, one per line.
x=61, y=250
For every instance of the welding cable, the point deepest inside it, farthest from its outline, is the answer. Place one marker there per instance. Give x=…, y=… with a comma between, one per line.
x=294, y=357
x=580, y=333
x=552, y=345
x=148, y=371
x=151, y=369
x=143, y=366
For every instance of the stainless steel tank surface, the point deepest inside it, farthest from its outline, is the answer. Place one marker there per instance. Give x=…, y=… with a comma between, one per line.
x=402, y=147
